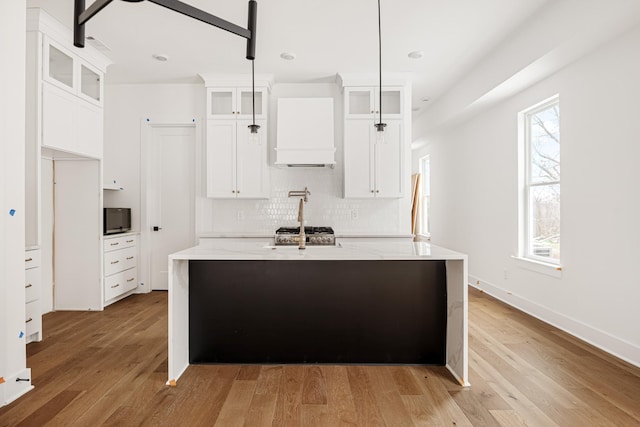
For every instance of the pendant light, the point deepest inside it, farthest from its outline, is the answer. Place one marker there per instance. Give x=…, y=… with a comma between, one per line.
x=380, y=126
x=254, y=137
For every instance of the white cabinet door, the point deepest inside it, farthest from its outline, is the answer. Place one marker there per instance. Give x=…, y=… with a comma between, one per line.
x=89, y=136
x=244, y=103
x=221, y=158
x=251, y=167
x=58, y=118
x=359, y=103
x=392, y=102
x=358, y=159
x=221, y=103
x=389, y=161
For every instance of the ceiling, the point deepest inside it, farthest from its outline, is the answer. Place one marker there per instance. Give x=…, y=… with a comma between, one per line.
x=327, y=37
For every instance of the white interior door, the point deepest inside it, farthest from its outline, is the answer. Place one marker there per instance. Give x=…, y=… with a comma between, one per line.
x=171, y=197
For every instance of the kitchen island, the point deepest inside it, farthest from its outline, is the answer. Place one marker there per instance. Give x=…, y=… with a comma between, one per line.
x=357, y=302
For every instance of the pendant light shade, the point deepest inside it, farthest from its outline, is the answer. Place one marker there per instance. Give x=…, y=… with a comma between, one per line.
x=380, y=126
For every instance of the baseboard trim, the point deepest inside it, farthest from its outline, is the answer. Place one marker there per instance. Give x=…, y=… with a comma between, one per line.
x=604, y=341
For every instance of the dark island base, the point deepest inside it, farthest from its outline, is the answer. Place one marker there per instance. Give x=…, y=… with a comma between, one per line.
x=337, y=312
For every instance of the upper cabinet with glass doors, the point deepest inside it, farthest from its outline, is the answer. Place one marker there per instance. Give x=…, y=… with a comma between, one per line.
x=230, y=102
x=71, y=73
x=364, y=102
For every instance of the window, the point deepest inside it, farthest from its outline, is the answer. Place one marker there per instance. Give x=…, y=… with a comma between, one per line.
x=540, y=176
x=425, y=196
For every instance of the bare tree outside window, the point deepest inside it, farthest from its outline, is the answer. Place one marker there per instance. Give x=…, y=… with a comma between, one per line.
x=542, y=181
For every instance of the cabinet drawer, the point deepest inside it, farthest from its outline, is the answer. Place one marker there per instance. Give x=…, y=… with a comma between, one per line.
x=119, y=283
x=32, y=259
x=32, y=284
x=33, y=319
x=120, y=260
x=121, y=242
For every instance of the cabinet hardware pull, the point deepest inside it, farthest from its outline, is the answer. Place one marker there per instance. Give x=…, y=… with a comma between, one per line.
x=377, y=191
x=28, y=285
x=130, y=280
x=233, y=191
x=238, y=192
x=129, y=257
x=115, y=286
x=115, y=262
x=129, y=241
x=114, y=244
x=372, y=191
x=28, y=259
x=28, y=320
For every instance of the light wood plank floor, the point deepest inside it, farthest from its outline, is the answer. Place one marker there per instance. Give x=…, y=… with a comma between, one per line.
x=109, y=368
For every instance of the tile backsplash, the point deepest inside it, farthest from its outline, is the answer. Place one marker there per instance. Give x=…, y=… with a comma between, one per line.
x=325, y=207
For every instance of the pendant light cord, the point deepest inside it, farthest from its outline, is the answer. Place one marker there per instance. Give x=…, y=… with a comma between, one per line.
x=253, y=91
x=380, y=60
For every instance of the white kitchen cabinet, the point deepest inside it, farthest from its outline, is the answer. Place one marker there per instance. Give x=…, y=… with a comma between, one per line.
x=364, y=103
x=373, y=168
x=33, y=291
x=236, y=164
x=120, y=266
x=231, y=103
x=68, y=70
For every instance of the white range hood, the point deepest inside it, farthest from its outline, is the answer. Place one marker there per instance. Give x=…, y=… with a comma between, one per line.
x=305, y=132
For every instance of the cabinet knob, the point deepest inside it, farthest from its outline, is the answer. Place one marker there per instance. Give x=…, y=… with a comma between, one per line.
x=372, y=111
x=372, y=191
x=238, y=191
x=233, y=191
x=377, y=191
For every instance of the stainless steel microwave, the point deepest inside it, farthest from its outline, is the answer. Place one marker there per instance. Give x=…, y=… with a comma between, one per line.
x=116, y=220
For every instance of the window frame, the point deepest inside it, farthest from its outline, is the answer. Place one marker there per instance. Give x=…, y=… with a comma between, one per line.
x=525, y=244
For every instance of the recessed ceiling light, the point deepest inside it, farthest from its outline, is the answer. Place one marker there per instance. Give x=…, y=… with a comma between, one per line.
x=160, y=57
x=289, y=56
x=416, y=54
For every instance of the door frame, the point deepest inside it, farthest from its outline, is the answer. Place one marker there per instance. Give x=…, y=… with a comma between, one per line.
x=146, y=138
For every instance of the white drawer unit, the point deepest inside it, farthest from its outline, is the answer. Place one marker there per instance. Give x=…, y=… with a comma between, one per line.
x=120, y=283
x=32, y=292
x=120, y=262
x=119, y=242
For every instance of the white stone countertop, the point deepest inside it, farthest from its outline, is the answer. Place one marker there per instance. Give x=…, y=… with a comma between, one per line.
x=242, y=235
x=239, y=250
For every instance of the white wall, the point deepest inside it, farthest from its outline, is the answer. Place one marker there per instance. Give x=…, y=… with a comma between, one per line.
x=127, y=105
x=475, y=198
x=12, y=178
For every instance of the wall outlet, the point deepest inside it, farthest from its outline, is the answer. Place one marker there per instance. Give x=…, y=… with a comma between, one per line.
x=240, y=215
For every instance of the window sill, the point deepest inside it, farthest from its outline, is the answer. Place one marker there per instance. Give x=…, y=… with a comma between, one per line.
x=548, y=269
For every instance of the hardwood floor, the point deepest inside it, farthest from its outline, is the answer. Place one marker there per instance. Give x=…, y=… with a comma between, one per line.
x=109, y=368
